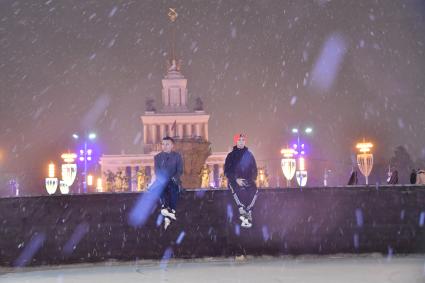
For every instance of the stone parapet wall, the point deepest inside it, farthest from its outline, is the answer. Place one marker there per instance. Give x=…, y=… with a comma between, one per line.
x=94, y=227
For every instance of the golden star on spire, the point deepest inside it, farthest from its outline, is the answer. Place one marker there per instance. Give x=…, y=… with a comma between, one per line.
x=172, y=14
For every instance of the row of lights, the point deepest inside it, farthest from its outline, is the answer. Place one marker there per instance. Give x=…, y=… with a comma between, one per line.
x=69, y=170
x=289, y=162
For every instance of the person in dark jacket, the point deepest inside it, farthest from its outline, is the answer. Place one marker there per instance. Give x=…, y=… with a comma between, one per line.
x=413, y=176
x=168, y=169
x=240, y=169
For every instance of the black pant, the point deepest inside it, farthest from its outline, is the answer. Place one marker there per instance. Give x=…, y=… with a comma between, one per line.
x=245, y=196
x=170, y=195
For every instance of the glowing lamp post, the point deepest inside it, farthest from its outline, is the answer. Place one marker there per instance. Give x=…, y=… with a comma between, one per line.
x=90, y=180
x=301, y=174
x=51, y=181
x=85, y=155
x=288, y=164
x=99, y=187
x=365, y=159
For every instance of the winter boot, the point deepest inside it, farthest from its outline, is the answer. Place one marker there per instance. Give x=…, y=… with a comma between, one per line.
x=168, y=212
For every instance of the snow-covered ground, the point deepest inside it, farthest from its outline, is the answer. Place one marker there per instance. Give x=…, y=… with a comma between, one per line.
x=326, y=269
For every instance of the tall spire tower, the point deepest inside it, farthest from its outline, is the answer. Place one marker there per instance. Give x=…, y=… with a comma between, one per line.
x=174, y=84
x=172, y=15
x=174, y=118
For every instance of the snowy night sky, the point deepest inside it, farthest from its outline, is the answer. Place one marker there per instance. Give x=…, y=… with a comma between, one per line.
x=349, y=69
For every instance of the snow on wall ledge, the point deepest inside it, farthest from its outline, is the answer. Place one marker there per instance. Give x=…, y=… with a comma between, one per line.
x=89, y=228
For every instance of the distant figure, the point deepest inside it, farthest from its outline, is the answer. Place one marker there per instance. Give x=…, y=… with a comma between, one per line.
x=420, y=177
x=413, y=177
x=353, y=179
x=393, y=179
x=169, y=166
x=240, y=169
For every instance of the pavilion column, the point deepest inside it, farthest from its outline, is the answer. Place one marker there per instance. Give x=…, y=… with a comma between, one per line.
x=170, y=131
x=206, y=131
x=180, y=130
x=162, y=132
x=153, y=134
x=198, y=129
x=189, y=130
x=145, y=134
x=211, y=169
x=220, y=170
x=133, y=178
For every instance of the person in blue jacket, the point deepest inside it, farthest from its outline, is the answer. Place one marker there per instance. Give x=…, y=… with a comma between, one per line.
x=168, y=169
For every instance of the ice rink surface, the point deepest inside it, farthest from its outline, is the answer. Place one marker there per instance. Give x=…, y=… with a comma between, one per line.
x=326, y=269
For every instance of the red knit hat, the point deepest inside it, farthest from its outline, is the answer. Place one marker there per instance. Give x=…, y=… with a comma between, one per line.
x=237, y=136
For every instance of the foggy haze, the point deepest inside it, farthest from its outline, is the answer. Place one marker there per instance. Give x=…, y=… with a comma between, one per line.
x=349, y=69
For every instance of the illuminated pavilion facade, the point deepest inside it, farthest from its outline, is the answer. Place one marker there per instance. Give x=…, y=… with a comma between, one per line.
x=173, y=119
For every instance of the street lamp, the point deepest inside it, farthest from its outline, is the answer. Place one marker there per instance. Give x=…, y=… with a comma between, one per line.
x=288, y=164
x=51, y=181
x=365, y=158
x=85, y=155
x=301, y=174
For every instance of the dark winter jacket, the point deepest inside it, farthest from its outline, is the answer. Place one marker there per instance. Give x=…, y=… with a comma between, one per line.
x=240, y=163
x=169, y=165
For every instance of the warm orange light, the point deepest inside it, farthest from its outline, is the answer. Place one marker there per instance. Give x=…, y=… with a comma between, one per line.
x=69, y=157
x=51, y=170
x=302, y=164
x=364, y=147
x=287, y=152
x=99, y=185
x=365, y=158
x=90, y=180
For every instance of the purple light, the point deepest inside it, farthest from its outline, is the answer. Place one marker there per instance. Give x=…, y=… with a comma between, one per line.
x=81, y=158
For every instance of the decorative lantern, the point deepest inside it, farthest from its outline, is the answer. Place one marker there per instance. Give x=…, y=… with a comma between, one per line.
x=69, y=169
x=288, y=164
x=63, y=186
x=69, y=173
x=51, y=185
x=365, y=159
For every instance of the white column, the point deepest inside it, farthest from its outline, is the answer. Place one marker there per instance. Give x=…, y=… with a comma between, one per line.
x=206, y=131
x=220, y=169
x=198, y=129
x=180, y=130
x=162, y=132
x=145, y=134
x=133, y=179
x=170, y=132
x=189, y=130
x=153, y=134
